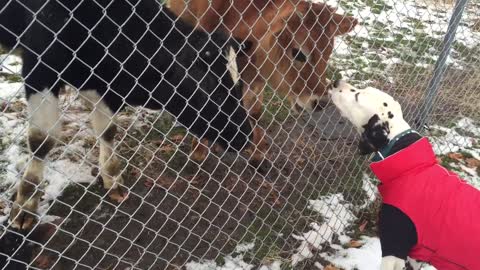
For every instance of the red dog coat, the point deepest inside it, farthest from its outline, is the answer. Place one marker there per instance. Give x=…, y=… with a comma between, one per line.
x=444, y=209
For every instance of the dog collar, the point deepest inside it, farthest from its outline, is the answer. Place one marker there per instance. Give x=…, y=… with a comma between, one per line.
x=384, y=152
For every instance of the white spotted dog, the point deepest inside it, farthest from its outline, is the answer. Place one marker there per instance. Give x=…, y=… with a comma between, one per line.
x=428, y=213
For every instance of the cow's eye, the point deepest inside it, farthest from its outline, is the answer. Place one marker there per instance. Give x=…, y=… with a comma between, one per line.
x=299, y=55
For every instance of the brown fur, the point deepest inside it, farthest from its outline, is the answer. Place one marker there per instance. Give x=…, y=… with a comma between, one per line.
x=275, y=27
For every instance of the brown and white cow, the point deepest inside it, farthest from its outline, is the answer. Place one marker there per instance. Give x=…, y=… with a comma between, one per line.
x=292, y=42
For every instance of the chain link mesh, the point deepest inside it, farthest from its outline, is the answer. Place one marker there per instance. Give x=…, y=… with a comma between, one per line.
x=296, y=199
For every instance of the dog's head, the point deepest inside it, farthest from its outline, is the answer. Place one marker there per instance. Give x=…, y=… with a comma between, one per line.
x=376, y=115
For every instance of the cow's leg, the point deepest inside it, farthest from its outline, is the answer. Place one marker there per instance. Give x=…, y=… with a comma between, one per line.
x=43, y=130
x=103, y=123
x=252, y=100
x=199, y=150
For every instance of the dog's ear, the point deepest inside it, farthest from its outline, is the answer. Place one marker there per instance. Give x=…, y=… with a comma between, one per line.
x=374, y=136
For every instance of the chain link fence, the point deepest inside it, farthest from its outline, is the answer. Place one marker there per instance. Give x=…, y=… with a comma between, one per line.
x=150, y=194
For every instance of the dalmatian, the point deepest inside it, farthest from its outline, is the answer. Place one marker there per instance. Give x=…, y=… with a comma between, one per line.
x=428, y=213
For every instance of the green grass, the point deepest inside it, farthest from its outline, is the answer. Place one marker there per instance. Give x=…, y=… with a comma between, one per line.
x=276, y=108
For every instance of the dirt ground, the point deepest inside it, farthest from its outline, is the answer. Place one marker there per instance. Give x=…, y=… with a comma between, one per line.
x=203, y=211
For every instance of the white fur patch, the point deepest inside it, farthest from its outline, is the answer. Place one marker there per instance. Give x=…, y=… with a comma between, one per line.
x=359, y=105
x=232, y=65
x=392, y=263
x=44, y=113
x=102, y=117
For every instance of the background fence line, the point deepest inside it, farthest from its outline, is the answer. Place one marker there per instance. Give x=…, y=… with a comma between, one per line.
x=440, y=65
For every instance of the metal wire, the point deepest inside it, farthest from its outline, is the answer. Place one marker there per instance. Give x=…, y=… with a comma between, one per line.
x=285, y=210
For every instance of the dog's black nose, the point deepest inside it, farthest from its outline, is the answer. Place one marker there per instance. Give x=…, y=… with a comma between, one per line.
x=336, y=83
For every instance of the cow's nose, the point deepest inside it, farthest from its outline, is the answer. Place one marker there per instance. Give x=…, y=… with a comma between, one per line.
x=336, y=83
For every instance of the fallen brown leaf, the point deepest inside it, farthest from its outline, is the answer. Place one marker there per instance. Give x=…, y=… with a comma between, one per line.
x=157, y=142
x=330, y=267
x=148, y=183
x=43, y=262
x=472, y=162
x=355, y=244
x=167, y=148
x=362, y=227
x=455, y=156
x=177, y=138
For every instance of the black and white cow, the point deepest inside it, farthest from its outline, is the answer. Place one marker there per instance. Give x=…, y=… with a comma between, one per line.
x=118, y=53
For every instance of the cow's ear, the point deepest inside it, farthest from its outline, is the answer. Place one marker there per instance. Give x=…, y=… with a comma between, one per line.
x=342, y=24
x=374, y=136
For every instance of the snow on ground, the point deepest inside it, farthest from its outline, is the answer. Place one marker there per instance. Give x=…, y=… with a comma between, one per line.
x=405, y=32
x=232, y=262
x=463, y=138
x=337, y=217
x=10, y=64
x=367, y=257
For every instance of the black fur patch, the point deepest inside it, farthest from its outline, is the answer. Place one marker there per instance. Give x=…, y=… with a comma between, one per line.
x=356, y=97
x=39, y=144
x=390, y=115
x=374, y=136
x=385, y=104
x=109, y=134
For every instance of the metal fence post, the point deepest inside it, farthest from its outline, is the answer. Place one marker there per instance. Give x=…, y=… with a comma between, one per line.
x=440, y=65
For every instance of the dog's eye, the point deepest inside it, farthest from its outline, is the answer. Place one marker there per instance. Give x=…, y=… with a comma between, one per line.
x=299, y=55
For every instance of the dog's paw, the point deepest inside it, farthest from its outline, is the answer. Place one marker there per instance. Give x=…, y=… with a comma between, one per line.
x=392, y=263
x=416, y=265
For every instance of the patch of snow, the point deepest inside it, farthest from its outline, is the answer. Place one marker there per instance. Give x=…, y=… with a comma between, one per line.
x=367, y=257
x=205, y=265
x=452, y=141
x=276, y=265
x=468, y=125
x=341, y=47
x=344, y=239
x=337, y=217
x=10, y=63
x=244, y=247
x=231, y=263
x=61, y=173
x=3, y=218
x=470, y=171
x=10, y=90
x=428, y=267
x=48, y=219
x=318, y=265
x=369, y=187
